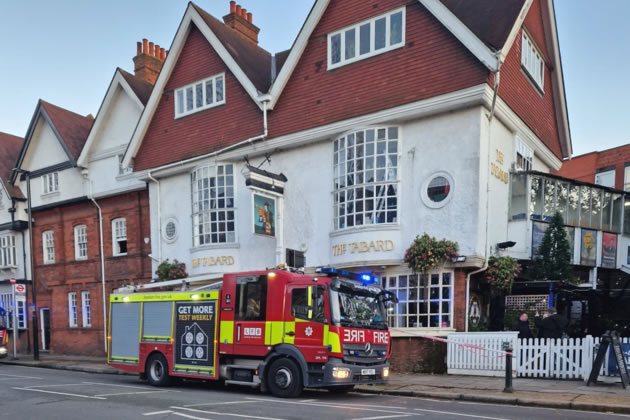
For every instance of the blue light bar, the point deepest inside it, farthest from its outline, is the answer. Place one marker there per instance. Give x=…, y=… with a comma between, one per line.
x=363, y=278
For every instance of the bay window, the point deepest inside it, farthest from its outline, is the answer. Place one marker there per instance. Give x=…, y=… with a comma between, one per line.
x=213, y=205
x=366, y=173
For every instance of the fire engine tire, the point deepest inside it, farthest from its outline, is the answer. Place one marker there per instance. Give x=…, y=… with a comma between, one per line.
x=340, y=389
x=157, y=371
x=284, y=378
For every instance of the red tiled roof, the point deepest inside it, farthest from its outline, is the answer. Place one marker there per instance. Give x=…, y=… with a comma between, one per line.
x=490, y=20
x=10, y=147
x=141, y=87
x=253, y=60
x=73, y=128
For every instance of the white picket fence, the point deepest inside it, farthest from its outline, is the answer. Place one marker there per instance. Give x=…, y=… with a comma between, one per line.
x=570, y=358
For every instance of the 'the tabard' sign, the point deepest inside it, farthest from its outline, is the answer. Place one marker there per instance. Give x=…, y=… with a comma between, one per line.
x=363, y=247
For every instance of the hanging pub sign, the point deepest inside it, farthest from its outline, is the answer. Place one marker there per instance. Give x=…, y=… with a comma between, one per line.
x=264, y=215
x=538, y=233
x=609, y=250
x=588, y=252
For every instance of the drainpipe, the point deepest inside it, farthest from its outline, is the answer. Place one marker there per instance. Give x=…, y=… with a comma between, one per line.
x=497, y=83
x=100, y=233
x=159, y=216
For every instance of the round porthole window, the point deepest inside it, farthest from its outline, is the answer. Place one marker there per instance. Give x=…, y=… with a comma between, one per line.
x=169, y=230
x=437, y=190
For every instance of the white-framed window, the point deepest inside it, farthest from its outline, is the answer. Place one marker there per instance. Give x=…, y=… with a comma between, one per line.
x=80, y=242
x=366, y=167
x=86, y=309
x=424, y=301
x=213, y=205
x=73, y=315
x=6, y=303
x=605, y=178
x=367, y=38
x=50, y=183
x=8, y=255
x=48, y=245
x=437, y=190
x=119, y=236
x=121, y=169
x=532, y=61
x=524, y=156
x=1, y=200
x=204, y=94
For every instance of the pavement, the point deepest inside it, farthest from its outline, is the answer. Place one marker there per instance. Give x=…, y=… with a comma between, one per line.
x=605, y=396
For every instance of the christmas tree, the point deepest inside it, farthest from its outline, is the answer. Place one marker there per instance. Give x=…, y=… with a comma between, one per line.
x=553, y=261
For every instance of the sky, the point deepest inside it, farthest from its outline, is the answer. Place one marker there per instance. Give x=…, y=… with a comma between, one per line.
x=66, y=51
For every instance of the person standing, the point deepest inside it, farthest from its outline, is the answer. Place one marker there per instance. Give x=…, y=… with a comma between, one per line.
x=551, y=325
x=522, y=326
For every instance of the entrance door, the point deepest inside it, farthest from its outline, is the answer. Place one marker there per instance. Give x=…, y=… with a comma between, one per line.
x=44, y=322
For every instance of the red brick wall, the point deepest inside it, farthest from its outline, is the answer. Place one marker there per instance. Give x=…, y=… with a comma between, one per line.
x=581, y=168
x=170, y=140
x=520, y=93
x=433, y=62
x=55, y=281
x=584, y=168
x=418, y=355
x=459, y=300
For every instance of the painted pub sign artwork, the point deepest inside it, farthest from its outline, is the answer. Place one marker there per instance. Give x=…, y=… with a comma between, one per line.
x=264, y=215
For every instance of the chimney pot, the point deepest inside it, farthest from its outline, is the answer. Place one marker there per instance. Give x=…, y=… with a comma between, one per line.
x=162, y=54
x=244, y=13
x=249, y=18
x=151, y=48
x=157, y=51
x=145, y=46
x=232, y=7
x=238, y=9
x=139, y=48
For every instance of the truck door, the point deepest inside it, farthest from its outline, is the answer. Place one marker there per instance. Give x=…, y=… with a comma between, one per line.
x=250, y=314
x=306, y=320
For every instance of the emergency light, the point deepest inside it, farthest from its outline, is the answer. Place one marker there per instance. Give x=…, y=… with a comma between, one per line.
x=363, y=278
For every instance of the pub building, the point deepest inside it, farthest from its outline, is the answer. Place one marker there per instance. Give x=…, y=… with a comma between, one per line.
x=341, y=150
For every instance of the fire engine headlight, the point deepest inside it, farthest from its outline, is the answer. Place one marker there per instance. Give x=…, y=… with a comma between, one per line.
x=3, y=350
x=385, y=372
x=341, y=373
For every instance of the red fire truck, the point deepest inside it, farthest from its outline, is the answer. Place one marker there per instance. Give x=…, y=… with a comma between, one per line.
x=273, y=329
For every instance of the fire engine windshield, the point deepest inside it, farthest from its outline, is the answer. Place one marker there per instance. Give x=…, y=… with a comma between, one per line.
x=356, y=305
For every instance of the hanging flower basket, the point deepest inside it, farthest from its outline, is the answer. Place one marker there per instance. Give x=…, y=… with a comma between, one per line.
x=427, y=253
x=501, y=273
x=171, y=270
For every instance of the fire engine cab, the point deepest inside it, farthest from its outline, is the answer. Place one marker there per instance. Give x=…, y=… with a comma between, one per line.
x=274, y=329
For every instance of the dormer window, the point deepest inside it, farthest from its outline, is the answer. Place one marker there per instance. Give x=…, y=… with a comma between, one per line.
x=200, y=95
x=532, y=61
x=366, y=39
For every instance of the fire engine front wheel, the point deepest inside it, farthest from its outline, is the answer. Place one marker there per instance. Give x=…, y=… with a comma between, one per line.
x=157, y=371
x=284, y=379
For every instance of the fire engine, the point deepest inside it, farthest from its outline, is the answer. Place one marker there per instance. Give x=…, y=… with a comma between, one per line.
x=276, y=330
x=4, y=337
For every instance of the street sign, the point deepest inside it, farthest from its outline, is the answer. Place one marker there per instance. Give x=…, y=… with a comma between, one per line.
x=20, y=289
x=12, y=281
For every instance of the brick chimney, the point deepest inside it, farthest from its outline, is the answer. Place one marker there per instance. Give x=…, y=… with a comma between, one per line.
x=241, y=21
x=148, y=61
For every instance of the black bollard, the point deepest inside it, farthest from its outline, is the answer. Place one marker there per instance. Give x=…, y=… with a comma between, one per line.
x=507, y=347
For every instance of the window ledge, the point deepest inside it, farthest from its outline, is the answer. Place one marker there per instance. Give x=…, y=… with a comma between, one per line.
x=125, y=177
x=119, y=255
x=234, y=245
x=367, y=228
x=50, y=194
x=420, y=332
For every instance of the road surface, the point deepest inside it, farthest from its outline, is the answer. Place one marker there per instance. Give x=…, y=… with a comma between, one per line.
x=29, y=393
